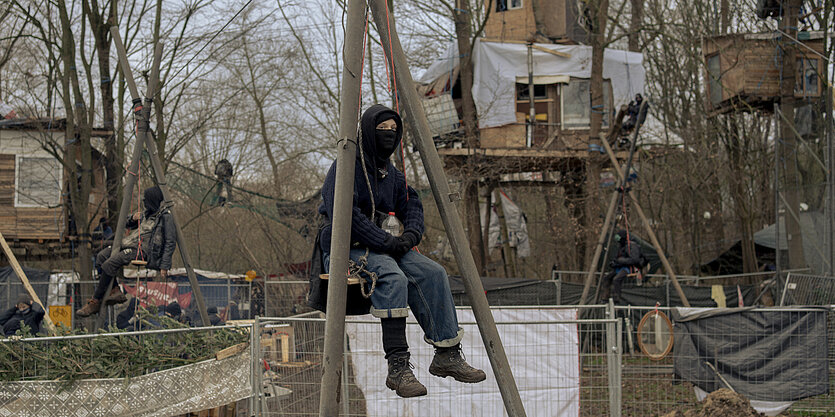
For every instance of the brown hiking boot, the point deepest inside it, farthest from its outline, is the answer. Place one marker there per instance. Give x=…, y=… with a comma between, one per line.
x=91, y=308
x=451, y=362
x=401, y=379
x=116, y=296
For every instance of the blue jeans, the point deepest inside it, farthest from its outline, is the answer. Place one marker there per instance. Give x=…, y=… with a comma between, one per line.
x=417, y=282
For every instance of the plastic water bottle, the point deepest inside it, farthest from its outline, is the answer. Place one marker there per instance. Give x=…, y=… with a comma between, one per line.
x=392, y=225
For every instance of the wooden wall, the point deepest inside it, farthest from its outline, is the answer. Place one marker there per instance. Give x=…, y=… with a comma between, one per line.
x=518, y=24
x=24, y=222
x=750, y=68
x=38, y=223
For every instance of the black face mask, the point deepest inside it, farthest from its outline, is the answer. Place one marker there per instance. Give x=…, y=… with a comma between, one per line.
x=385, y=141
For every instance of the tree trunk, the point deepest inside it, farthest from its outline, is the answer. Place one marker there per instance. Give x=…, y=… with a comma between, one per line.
x=598, y=108
x=77, y=146
x=794, y=234
x=114, y=155
x=471, y=208
x=635, y=24
x=463, y=33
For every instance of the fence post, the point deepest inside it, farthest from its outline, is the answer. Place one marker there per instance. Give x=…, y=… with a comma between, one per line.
x=613, y=360
x=345, y=397
x=255, y=400
x=559, y=291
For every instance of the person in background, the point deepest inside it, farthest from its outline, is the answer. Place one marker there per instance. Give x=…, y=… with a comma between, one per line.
x=155, y=230
x=25, y=312
x=629, y=259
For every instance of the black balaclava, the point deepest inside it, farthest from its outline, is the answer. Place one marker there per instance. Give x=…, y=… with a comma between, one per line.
x=622, y=237
x=379, y=145
x=152, y=200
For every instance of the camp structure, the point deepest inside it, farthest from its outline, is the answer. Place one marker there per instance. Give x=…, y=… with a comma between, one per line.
x=34, y=215
x=561, y=77
x=742, y=71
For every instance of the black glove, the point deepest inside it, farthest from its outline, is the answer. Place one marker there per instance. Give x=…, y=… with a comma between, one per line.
x=406, y=242
x=411, y=237
x=391, y=245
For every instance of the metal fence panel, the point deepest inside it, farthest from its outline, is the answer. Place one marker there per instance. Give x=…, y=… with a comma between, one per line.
x=295, y=364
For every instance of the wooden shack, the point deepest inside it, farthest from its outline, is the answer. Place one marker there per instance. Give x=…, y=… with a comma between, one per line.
x=742, y=71
x=540, y=20
x=33, y=182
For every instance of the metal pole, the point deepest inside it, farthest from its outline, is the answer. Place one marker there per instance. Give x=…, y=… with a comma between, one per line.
x=612, y=362
x=648, y=227
x=777, y=262
x=259, y=385
x=445, y=201
x=532, y=99
x=144, y=136
x=342, y=202
x=253, y=361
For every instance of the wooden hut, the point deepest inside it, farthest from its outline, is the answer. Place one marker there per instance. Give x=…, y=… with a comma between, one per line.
x=33, y=182
x=742, y=71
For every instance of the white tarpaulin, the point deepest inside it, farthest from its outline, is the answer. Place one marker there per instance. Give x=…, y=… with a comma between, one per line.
x=544, y=359
x=496, y=66
x=517, y=228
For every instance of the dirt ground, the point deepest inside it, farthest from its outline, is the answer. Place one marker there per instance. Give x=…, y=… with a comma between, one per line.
x=720, y=403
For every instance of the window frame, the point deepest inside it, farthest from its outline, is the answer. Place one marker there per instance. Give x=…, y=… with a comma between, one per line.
x=20, y=159
x=803, y=66
x=714, y=81
x=505, y=5
x=586, y=125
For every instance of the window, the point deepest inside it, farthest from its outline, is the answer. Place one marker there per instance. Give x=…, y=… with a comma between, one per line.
x=714, y=73
x=504, y=5
x=38, y=182
x=539, y=92
x=807, y=77
x=576, y=103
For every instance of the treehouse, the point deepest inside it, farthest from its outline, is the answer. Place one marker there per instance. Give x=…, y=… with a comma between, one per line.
x=560, y=77
x=742, y=71
x=540, y=20
x=34, y=183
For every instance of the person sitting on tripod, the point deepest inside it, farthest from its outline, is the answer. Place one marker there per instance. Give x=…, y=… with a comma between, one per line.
x=153, y=240
x=628, y=260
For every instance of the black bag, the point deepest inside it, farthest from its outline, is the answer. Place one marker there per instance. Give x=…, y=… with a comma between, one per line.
x=317, y=296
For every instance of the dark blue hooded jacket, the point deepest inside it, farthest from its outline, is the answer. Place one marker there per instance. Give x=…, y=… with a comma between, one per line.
x=388, y=186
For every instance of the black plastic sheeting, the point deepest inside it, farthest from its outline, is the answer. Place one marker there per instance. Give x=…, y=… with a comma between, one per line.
x=766, y=355
x=517, y=291
x=11, y=287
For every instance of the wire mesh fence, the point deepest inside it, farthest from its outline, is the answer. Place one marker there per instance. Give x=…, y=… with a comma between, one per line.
x=772, y=356
x=160, y=372
x=801, y=289
x=554, y=375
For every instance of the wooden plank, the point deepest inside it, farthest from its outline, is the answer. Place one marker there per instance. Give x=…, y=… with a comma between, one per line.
x=50, y=328
x=231, y=351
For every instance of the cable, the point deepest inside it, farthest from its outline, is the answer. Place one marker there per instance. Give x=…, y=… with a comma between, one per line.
x=211, y=39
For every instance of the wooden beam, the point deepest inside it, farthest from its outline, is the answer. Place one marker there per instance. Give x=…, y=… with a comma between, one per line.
x=648, y=228
x=525, y=153
x=50, y=328
x=534, y=46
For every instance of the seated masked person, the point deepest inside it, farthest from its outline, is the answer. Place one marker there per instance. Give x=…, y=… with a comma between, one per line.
x=404, y=277
x=153, y=240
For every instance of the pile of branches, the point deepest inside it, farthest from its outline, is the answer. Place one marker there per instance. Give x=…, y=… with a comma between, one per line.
x=113, y=356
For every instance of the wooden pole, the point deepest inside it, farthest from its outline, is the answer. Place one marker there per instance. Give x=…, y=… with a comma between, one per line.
x=346, y=148
x=50, y=327
x=143, y=137
x=648, y=228
x=445, y=200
